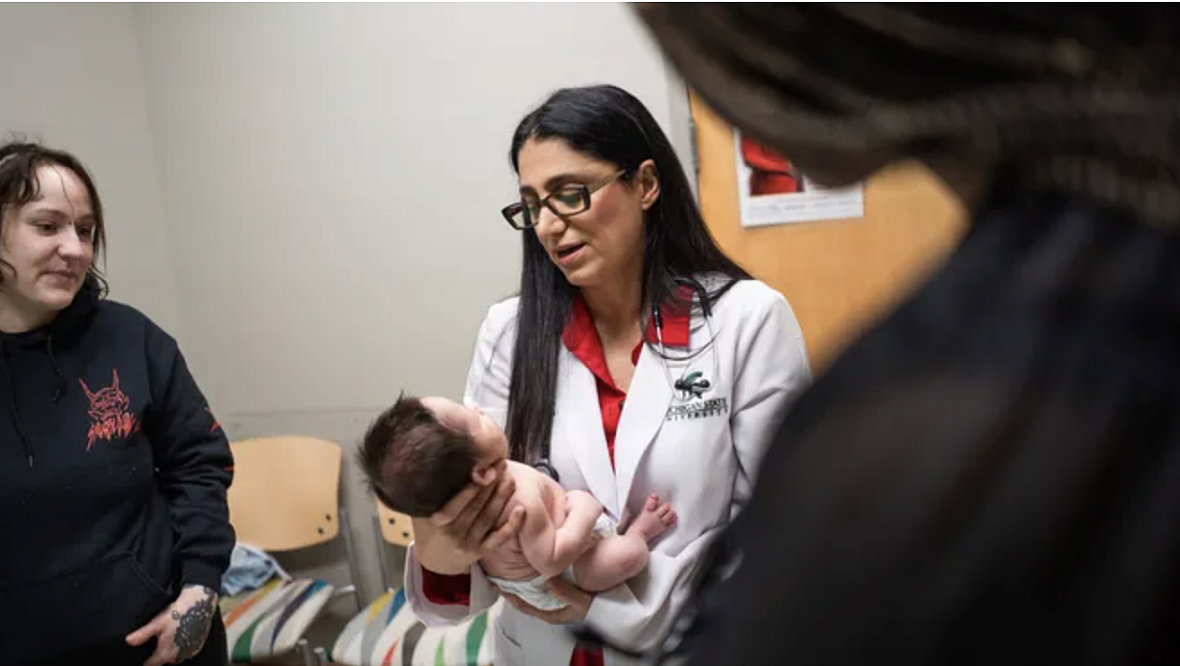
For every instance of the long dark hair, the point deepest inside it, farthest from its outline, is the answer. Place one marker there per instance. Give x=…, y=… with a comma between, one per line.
x=607, y=123
x=19, y=161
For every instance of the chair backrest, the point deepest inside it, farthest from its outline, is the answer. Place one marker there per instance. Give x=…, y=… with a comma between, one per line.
x=285, y=492
x=395, y=527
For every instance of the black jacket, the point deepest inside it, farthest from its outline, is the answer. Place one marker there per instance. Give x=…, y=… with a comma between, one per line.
x=991, y=476
x=113, y=479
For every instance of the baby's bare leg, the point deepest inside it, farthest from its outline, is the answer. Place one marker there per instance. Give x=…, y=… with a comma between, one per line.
x=615, y=559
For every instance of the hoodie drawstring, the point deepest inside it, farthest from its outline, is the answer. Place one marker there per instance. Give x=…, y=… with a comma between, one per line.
x=61, y=379
x=20, y=431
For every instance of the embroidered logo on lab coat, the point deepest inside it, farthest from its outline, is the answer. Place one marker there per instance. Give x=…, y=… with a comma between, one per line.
x=698, y=409
x=692, y=385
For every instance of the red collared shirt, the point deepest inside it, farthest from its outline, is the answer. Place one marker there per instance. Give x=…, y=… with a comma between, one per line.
x=581, y=339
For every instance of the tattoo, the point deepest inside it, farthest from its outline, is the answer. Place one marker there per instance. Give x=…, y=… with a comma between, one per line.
x=192, y=628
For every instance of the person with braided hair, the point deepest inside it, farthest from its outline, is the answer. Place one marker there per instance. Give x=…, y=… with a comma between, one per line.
x=990, y=476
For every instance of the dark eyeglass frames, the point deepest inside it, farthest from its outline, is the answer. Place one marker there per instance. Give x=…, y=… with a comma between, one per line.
x=566, y=200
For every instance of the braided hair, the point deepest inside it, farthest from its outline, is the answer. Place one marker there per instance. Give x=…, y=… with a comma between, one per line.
x=992, y=474
x=1073, y=98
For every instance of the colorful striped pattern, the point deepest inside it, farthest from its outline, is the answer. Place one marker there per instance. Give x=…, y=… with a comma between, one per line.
x=388, y=633
x=269, y=621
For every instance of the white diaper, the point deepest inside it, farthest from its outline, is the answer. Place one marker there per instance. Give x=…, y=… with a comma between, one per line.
x=604, y=526
x=535, y=592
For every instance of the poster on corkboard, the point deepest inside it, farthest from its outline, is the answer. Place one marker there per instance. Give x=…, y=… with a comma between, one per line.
x=771, y=190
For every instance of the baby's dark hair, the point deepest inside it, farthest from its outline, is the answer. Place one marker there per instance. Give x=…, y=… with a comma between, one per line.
x=414, y=463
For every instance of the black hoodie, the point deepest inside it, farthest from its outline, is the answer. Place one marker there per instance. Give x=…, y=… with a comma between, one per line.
x=113, y=479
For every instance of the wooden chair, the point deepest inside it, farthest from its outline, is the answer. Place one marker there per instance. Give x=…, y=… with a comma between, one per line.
x=389, y=626
x=395, y=528
x=284, y=497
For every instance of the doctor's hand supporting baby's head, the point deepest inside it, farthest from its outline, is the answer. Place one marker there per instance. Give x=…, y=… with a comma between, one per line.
x=445, y=466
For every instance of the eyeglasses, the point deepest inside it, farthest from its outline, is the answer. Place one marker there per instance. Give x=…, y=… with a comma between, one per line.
x=565, y=201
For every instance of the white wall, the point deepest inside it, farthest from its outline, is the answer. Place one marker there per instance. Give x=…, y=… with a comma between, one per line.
x=332, y=177
x=71, y=77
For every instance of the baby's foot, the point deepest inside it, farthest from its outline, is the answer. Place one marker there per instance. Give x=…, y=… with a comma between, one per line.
x=654, y=519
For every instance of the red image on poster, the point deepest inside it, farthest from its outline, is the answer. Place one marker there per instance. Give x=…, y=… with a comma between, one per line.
x=771, y=190
x=770, y=172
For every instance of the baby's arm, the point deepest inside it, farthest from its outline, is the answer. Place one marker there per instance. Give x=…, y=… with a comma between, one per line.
x=551, y=549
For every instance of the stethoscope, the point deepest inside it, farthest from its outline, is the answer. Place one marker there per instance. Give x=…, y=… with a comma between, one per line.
x=682, y=386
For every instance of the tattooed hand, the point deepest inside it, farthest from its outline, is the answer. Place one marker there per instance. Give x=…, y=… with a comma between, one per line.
x=180, y=630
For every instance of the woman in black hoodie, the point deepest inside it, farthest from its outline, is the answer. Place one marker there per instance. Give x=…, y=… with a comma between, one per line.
x=113, y=471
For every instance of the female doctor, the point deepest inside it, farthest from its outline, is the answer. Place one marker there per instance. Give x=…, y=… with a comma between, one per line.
x=637, y=359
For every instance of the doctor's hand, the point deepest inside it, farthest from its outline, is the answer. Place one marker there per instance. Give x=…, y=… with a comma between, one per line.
x=460, y=533
x=578, y=601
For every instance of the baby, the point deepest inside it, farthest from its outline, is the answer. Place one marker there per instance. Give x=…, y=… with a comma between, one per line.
x=420, y=453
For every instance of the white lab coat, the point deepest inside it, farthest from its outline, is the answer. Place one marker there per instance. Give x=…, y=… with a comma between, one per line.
x=702, y=464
